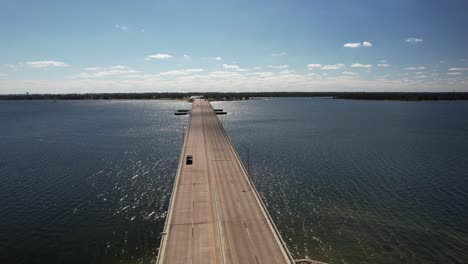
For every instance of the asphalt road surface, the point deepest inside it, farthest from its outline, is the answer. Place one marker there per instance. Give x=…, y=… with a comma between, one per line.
x=215, y=215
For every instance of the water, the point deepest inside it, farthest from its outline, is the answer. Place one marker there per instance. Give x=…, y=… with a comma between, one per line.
x=86, y=181
x=345, y=181
x=360, y=181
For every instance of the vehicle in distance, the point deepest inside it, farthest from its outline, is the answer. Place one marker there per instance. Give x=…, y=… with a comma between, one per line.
x=189, y=160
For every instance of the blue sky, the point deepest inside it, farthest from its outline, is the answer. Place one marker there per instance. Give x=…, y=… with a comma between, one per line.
x=157, y=46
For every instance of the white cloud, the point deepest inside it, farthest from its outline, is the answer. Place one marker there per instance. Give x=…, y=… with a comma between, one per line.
x=224, y=74
x=415, y=68
x=454, y=73
x=186, y=56
x=261, y=74
x=313, y=66
x=180, y=72
x=279, y=54
x=120, y=27
x=228, y=81
x=160, y=56
x=286, y=72
x=233, y=67
x=383, y=65
x=458, y=69
x=359, y=65
x=46, y=64
x=352, y=45
x=95, y=68
x=257, y=68
x=414, y=40
x=349, y=73
x=333, y=67
x=104, y=73
x=366, y=44
x=218, y=58
x=278, y=66
x=11, y=66
x=118, y=67
x=99, y=72
x=142, y=76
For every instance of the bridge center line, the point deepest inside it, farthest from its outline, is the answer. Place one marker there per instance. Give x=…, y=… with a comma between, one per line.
x=210, y=176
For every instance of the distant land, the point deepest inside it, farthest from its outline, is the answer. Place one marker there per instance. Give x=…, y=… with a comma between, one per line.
x=397, y=96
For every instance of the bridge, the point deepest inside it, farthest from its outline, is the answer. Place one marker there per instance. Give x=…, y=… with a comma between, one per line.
x=215, y=213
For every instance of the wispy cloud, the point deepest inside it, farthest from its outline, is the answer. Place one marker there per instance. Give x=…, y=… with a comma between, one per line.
x=458, y=69
x=218, y=58
x=180, y=72
x=333, y=67
x=414, y=40
x=118, y=67
x=314, y=66
x=224, y=74
x=279, y=54
x=261, y=74
x=120, y=27
x=186, y=56
x=349, y=73
x=416, y=68
x=233, y=67
x=160, y=56
x=46, y=64
x=11, y=66
x=278, y=66
x=230, y=81
x=359, y=65
x=366, y=44
x=100, y=72
x=454, y=73
x=286, y=72
x=383, y=65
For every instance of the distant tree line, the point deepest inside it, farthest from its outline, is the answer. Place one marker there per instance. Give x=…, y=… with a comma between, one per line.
x=411, y=96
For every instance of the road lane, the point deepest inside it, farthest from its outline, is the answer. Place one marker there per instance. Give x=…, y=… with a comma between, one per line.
x=215, y=214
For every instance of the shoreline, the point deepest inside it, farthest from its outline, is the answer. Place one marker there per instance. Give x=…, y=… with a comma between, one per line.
x=375, y=96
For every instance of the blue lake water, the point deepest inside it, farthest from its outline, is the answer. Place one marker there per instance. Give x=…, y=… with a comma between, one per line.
x=345, y=181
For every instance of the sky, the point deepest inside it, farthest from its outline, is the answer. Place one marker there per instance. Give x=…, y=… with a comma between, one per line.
x=233, y=46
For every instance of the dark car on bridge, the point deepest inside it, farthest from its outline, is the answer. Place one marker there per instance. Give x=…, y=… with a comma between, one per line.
x=189, y=160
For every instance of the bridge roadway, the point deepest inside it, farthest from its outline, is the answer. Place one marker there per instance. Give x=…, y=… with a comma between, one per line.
x=215, y=214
